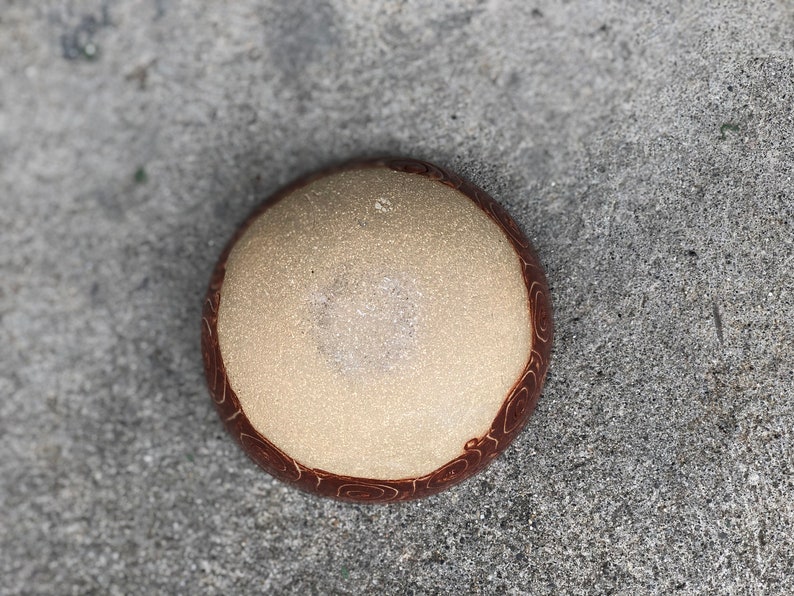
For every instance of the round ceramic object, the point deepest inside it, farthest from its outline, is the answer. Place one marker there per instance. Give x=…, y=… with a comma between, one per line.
x=377, y=332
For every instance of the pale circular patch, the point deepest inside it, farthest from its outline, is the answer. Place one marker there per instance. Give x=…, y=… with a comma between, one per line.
x=372, y=322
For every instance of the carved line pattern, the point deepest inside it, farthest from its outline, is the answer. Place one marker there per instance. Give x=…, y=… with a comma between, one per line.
x=477, y=452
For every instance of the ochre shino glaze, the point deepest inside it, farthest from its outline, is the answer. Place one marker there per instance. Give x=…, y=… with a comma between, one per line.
x=377, y=332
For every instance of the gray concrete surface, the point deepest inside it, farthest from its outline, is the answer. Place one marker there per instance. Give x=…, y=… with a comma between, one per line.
x=646, y=148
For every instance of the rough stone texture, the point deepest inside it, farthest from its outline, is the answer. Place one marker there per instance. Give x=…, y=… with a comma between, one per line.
x=646, y=148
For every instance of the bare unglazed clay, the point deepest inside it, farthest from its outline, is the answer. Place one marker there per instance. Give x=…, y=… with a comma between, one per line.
x=378, y=331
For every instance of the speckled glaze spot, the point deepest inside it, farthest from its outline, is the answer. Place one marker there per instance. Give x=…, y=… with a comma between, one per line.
x=377, y=332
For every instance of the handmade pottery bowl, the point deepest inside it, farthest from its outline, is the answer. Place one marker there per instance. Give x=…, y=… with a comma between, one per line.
x=378, y=331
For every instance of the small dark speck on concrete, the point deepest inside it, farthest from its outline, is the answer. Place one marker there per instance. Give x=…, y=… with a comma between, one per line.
x=78, y=43
x=140, y=176
x=717, y=319
x=727, y=127
x=140, y=74
x=160, y=8
x=95, y=293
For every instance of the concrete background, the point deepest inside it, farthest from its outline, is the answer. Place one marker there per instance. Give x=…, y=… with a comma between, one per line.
x=647, y=150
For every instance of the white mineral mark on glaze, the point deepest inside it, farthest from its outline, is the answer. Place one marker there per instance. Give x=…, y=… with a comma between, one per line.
x=365, y=325
x=383, y=205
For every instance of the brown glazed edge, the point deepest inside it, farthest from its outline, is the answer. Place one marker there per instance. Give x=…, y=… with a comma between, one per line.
x=477, y=452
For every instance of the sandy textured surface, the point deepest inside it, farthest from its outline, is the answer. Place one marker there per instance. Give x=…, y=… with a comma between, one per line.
x=647, y=152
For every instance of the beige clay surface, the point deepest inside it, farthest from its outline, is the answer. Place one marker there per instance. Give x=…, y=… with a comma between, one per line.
x=372, y=322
